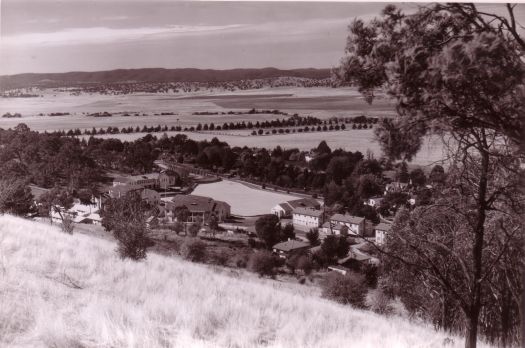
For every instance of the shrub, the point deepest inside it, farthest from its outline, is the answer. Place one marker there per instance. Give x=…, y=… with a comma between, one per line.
x=380, y=302
x=301, y=262
x=255, y=244
x=240, y=260
x=194, y=229
x=220, y=259
x=263, y=263
x=346, y=289
x=193, y=250
x=371, y=275
x=67, y=225
x=305, y=264
x=313, y=236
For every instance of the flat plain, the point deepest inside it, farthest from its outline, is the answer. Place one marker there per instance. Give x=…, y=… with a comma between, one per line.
x=321, y=102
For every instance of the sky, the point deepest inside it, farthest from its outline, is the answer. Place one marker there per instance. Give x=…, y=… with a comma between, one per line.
x=91, y=35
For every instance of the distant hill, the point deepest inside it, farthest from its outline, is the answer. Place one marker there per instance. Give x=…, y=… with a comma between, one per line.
x=153, y=75
x=62, y=290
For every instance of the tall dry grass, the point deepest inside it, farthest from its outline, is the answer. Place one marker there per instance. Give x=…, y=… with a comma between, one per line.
x=59, y=290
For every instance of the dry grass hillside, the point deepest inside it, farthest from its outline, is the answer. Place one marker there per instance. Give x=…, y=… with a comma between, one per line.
x=58, y=290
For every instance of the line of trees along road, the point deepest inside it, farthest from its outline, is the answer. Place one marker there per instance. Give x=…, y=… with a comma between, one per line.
x=457, y=71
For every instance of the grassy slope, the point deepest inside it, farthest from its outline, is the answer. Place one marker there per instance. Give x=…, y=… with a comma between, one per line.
x=164, y=302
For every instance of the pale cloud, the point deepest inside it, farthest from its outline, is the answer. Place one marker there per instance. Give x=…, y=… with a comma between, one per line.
x=115, y=18
x=103, y=35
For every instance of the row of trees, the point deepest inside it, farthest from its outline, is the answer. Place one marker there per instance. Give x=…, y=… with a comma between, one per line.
x=301, y=130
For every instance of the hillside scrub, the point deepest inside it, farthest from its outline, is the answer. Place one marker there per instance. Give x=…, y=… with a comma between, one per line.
x=72, y=290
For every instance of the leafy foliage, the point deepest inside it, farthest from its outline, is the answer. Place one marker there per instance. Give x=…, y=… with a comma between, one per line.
x=346, y=289
x=268, y=229
x=15, y=198
x=193, y=250
x=263, y=263
x=126, y=218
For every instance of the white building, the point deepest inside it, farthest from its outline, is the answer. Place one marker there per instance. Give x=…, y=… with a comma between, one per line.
x=374, y=201
x=381, y=230
x=80, y=213
x=305, y=218
x=162, y=180
x=285, y=209
x=355, y=224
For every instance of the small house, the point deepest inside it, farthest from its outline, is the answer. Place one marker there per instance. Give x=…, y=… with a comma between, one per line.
x=381, y=230
x=290, y=247
x=355, y=224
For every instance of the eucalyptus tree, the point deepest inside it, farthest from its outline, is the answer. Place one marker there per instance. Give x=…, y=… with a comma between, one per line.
x=457, y=72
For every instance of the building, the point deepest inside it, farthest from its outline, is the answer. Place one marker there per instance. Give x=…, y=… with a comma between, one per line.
x=374, y=201
x=80, y=213
x=290, y=247
x=120, y=191
x=162, y=180
x=307, y=218
x=37, y=191
x=166, y=179
x=285, y=209
x=199, y=207
x=355, y=224
x=396, y=186
x=146, y=180
x=381, y=230
x=149, y=195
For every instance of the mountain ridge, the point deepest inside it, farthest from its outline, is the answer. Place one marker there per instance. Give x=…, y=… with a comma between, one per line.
x=156, y=75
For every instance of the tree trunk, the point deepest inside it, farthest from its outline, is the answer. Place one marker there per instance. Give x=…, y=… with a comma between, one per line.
x=522, y=310
x=471, y=338
x=479, y=231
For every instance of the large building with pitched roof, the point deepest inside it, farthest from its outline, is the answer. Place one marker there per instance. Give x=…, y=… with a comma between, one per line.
x=307, y=218
x=285, y=209
x=199, y=207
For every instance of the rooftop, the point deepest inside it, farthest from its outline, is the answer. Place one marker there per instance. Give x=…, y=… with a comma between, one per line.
x=304, y=203
x=37, y=191
x=131, y=178
x=291, y=245
x=196, y=203
x=347, y=218
x=383, y=226
x=308, y=212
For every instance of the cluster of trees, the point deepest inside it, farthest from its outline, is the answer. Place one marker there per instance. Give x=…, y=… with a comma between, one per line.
x=15, y=197
x=49, y=160
x=10, y=115
x=46, y=160
x=270, y=231
x=458, y=72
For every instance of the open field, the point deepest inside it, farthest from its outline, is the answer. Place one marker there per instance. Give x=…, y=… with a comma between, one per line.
x=59, y=290
x=329, y=103
x=244, y=201
x=351, y=140
x=320, y=102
